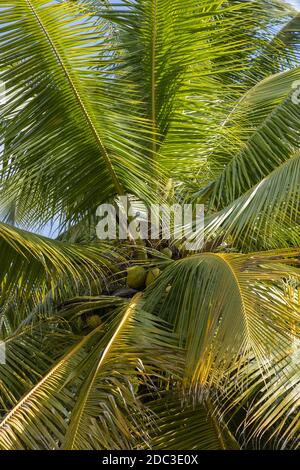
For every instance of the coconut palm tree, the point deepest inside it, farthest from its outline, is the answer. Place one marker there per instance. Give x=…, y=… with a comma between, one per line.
x=165, y=101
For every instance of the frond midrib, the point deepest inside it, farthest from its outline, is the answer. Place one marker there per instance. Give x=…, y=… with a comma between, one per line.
x=70, y=354
x=241, y=152
x=76, y=94
x=153, y=76
x=237, y=283
x=130, y=309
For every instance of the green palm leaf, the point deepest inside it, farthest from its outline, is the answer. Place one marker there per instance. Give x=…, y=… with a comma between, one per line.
x=269, y=400
x=35, y=269
x=264, y=129
x=267, y=214
x=182, y=426
x=161, y=101
x=182, y=58
x=29, y=353
x=101, y=370
x=73, y=115
x=227, y=308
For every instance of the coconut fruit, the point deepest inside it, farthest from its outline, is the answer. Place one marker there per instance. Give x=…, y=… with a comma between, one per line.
x=152, y=276
x=93, y=321
x=136, y=277
x=167, y=252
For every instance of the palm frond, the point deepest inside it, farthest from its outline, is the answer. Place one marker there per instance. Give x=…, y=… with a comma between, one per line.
x=265, y=216
x=227, y=308
x=95, y=380
x=260, y=134
x=35, y=268
x=184, y=426
x=29, y=354
x=44, y=434
x=129, y=351
x=268, y=401
x=75, y=139
x=183, y=58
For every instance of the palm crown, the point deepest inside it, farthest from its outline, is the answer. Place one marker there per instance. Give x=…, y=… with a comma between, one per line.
x=107, y=100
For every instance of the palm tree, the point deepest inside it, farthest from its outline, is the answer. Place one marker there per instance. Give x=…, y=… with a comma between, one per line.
x=105, y=100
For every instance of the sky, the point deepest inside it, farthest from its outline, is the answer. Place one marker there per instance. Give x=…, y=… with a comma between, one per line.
x=295, y=3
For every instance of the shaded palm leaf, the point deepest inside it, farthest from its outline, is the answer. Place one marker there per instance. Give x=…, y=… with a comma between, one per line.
x=182, y=426
x=35, y=269
x=97, y=377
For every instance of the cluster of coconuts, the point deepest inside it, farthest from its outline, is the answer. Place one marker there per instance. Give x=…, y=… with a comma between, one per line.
x=93, y=321
x=138, y=277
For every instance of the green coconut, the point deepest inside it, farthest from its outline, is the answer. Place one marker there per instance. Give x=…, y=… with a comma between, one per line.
x=167, y=252
x=93, y=321
x=136, y=277
x=152, y=276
